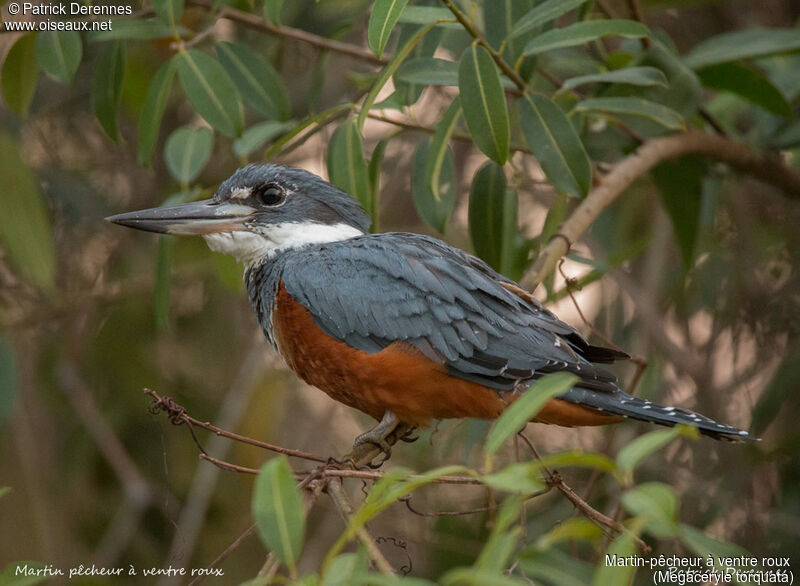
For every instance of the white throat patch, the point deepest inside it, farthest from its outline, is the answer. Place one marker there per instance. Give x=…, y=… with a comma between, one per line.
x=251, y=247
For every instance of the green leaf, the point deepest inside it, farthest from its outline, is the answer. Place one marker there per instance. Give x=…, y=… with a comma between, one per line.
x=187, y=152
x=574, y=528
x=680, y=184
x=210, y=91
x=556, y=145
x=169, y=11
x=524, y=409
x=258, y=135
x=374, y=172
x=474, y=577
x=657, y=503
x=345, y=568
x=435, y=211
x=14, y=574
x=684, y=92
x=261, y=87
x=642, y=447
x=25, y=230
x=59, y=53
x=493, y=218
x=623, y=547
x=425, y=15
x=384, y=17
x=278, y=510
x=8, y=380
x=153, y=110
x=583, y=32
x=272, y=11
x=428, y=71
x=640, y=76
x=543, y=13
x=498, y=23
x=555, y=568
x=440, y=147
x=135, y=29
x=704, y=546
x=503, y=538
x=109, y=73
x=19, y=75
x=747, y=83
x=666, y=117
x=484, y=103
x=388, y=71
x=407, y=93
x=523, y=478
x=746, y=44
x=581, y=459
x=346, y=166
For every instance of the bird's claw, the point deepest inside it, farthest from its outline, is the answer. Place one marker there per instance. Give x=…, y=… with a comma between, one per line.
x=410, y=436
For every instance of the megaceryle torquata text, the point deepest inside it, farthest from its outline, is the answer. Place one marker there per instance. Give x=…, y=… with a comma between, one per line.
x=401, y=326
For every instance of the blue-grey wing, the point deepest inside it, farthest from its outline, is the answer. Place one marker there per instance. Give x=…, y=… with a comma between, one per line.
x=375, y=290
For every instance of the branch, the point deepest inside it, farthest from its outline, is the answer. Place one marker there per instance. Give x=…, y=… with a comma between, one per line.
x=475, y=34
x=259, y=23
x=768, y=167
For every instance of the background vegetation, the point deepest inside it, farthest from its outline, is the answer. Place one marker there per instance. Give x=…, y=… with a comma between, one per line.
x=654, y=142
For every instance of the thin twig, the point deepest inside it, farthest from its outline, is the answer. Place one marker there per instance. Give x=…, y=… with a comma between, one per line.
x=178, y=415
x=768, y=167
x=259, y=23
x=224, y=555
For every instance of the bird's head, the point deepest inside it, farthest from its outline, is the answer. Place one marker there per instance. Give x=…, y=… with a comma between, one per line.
x=258, y=211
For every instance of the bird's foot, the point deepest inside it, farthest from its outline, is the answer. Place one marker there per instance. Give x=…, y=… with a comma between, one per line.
x=377, y=436
x=410, y=436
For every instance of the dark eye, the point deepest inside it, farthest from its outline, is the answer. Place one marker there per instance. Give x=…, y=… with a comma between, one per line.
x=269, y=194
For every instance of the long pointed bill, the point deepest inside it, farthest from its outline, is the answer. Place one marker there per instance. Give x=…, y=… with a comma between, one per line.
x=195, y=218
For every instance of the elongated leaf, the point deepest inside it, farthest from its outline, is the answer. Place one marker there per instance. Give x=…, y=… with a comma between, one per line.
x=583, y=32
x=278, y=511
x=521, y=478
x=210, y=91
x=521, y=411
x=374, y=172
x=503, y=538
x=169, y=11
x=385, y=14
x=657, y=503
x=641, y=76
x=8, y=380
x=746, y=44
x=703, y=545
x=153, y=110
x=434, y=211
x=680, y=184
x=440, y=145
x=574, y=528
x=407, y=93
x=555, y=568
x=684, y=92
x=640, y=448
x=135, y=29
x=748, y=83
x=187, y=152
x=425, y=15
x=109, y=74
x=498, y=21
x=261, y=87
x=556, y=145
x=346, y=166
x=345, y=569
x=19, y=76
x=473, y=577
x=428, y=71
x=622, y=547
x=25, y=230
x=59, y=53
x=272, y=11
x=493, y=218
x=543, y=13
x=666, y=117
x=388, y=71
x=484, y=103
x=258, y=135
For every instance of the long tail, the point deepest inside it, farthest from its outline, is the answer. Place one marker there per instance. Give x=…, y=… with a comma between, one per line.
x=621, y=403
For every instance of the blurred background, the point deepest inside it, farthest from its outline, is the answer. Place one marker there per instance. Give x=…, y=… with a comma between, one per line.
x=90, y=314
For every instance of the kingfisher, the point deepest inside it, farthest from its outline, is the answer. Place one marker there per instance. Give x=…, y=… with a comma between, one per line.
x=400, y=326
